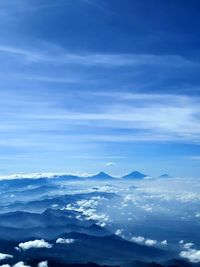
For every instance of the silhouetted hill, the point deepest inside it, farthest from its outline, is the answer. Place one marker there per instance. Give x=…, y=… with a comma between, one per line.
x=101, y=176
x=134, y=175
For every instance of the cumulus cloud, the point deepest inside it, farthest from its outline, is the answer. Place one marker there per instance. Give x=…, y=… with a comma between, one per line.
x=88, y=208
x=5, y=265
x=38, y=243
x=163, y=243
x=5, y=256
x=91, y=203
x=43, y=264
x=150, y=242
x=147, y=241
x=119, y=232
x=192, y=255
x=188, y=245
x=21, y=264
x=101, y=217
x=65, y=240
x=138, y=239
x=102, y=224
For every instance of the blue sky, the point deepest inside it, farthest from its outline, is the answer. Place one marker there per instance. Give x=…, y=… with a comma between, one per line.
x=85, y=83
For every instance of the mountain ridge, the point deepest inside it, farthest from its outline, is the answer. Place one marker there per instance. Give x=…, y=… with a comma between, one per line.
x=101, y=176
x=134, y=175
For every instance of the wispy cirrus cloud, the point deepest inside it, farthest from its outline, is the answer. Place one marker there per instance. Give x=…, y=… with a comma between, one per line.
x=57, y=55
x=138, y=117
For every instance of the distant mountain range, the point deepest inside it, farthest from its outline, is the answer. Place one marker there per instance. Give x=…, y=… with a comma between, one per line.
x=102, y=176
x=44, y=178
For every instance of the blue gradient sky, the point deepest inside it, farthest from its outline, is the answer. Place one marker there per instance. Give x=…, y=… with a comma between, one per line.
x=85, y=83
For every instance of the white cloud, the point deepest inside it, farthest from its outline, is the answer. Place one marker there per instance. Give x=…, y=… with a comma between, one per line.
x=5, y=256
x=163, y=243
x=175, y=119
x=188, y=245
x=55, y=54
x=101, y=217
x=88, y=209
x=138, y=239
x=146, y=207
x=65, y=240
x=192, y=255
x=102, y=224
x=5, y=265
x=43, y=264
x=147, y=117
x=146, y=241
x=119, y=232
x=110, y=163
x=38, y=243
x=108, y=188
x=30, y=55
x=150, y=242
x=197, y=215
x=37, y=175
x=90, y=203
x=147, y=197
x=21, y=264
